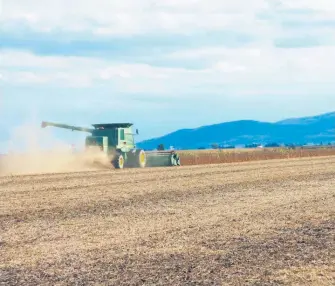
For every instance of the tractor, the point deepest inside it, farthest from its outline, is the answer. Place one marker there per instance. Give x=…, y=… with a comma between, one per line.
x=116, y=141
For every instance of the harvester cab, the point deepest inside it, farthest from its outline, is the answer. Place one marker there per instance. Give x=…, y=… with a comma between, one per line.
x=111, y=137
x=116, y=141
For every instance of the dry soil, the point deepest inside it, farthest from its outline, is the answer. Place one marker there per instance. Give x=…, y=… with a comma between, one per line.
x=257, y=223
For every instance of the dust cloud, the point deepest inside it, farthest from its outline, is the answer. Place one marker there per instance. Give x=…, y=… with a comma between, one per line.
x=37, y=151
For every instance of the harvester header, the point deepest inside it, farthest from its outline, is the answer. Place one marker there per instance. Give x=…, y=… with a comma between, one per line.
x=116, y=141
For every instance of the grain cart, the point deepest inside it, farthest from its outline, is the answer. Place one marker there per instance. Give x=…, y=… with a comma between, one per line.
x=116, y=141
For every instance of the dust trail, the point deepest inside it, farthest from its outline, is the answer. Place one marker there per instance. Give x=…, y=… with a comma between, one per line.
x=40, y=152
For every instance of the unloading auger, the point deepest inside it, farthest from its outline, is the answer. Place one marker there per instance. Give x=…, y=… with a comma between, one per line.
x=116, y=141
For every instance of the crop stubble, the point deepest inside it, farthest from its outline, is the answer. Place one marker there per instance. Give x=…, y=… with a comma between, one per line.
x=198, y=157
x=257, y=223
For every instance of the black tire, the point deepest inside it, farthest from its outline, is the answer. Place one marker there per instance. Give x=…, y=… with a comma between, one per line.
x=118, y=161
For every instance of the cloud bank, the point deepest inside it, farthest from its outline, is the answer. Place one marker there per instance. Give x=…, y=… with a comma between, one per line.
x=208, y=61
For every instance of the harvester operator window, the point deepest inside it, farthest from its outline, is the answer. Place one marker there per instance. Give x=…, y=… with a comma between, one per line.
x=121, y=134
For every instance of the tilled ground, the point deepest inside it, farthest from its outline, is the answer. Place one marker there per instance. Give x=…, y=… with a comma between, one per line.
x=257, y=223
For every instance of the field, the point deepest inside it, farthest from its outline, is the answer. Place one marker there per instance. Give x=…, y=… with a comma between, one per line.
x=253, y=223
x=196, y=157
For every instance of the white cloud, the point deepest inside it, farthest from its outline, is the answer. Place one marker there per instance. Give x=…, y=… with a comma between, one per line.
x=129, y=17
x=320, y=5
x=132, y=16
x=264, y=63
x=27, y=68
x=11, y=58
x=259, y=64
x=224, y=66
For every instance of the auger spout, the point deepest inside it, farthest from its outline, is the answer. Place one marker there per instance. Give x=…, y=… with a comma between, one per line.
x=65, y=126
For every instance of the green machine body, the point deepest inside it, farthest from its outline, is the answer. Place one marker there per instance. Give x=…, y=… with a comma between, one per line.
x=116, y=141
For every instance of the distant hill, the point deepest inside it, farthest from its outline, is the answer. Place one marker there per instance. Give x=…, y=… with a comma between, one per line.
x=323, y=118
x=314, y=129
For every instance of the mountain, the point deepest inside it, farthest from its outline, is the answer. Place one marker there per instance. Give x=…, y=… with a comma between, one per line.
x=323, y=118
x=315, y=129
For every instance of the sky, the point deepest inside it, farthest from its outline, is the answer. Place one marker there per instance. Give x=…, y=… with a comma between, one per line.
x=164, y=65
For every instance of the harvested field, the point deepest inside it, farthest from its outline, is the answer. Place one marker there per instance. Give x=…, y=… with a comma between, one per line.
x=255, y=223
x=244, y=155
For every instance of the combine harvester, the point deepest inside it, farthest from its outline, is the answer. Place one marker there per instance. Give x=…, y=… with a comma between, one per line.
x=116, y=141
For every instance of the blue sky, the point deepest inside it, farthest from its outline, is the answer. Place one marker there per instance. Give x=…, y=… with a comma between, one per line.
x=164, y=65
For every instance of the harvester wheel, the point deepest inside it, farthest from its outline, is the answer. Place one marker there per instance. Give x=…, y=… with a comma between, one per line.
x=118, y=162
x=141, y=159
